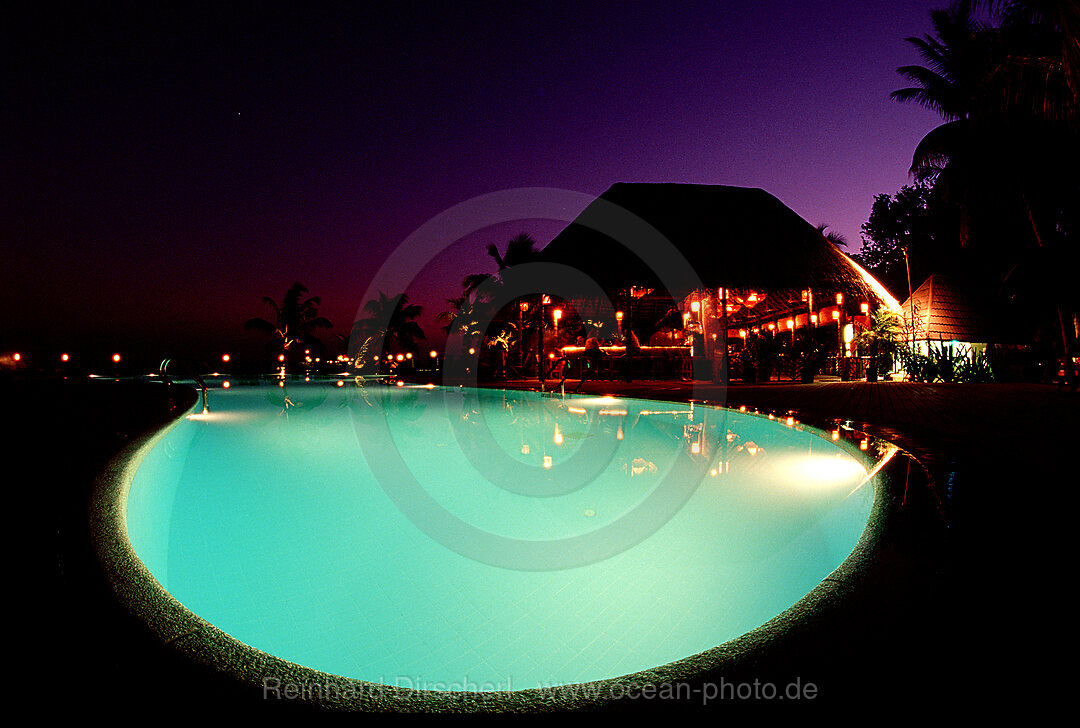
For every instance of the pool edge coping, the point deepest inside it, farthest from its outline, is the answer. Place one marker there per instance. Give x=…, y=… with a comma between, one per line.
x=196, y=639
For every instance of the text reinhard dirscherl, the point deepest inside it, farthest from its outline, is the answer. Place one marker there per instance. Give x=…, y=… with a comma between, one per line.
x=274, y=688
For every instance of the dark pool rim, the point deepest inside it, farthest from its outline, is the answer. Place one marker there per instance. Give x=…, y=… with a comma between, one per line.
x=196, y=639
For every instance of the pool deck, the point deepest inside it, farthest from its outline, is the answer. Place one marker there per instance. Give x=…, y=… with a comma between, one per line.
x=967, y=610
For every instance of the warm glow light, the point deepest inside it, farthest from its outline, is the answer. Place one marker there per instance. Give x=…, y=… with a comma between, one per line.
x=433, y=353
x=839, y=298
x=281, y=357
x=16, y=356
x=557, y=437
x=226, y=384
x=742, y=408
x=340, y=383
x=836, y=314
x=400, y=383
x=116, y=357
x=618, y=315
x=281, y=384
x=813, y=318
x=695, y=306
x=408, y=355
x=864, y=444
x=864, y=307
x=849, y=333
x=64, y=357
x=524, y=305
x=546, y=300
x=619, y=433
x=836, y=434
x=551, y=355
x=772, y=327
x=225, y=357
x=472, y=350
x=791, y=323
x=556, y=314
x=400, y=357
x=790, y=421
x=742, y=333
x=547, y=462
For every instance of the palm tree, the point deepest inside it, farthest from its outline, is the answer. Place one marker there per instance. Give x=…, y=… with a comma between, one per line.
x=521, y=249
x=295, y=321
x=391, y=323
x=832, y=236
x=1008, y=151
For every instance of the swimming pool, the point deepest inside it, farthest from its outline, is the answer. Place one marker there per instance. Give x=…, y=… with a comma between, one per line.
x=447, y=538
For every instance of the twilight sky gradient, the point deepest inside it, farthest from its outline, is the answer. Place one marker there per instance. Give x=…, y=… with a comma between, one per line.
x=164, y=169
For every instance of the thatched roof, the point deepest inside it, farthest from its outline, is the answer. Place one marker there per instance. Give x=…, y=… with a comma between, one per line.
x=943, y=310
x=735, y=237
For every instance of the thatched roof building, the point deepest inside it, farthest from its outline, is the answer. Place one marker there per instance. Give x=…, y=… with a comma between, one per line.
x=944, y=311
x=730, y=237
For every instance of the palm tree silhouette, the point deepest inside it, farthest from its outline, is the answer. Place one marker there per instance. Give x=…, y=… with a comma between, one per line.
x=295, y=321
x=832, y=236
x=1009, y=149
x=521, y=249
x=391, y=322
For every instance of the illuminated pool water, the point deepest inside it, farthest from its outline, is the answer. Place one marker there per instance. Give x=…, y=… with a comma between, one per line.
x=482, y=539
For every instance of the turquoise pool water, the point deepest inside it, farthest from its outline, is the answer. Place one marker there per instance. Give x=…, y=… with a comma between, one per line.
x=431, y=537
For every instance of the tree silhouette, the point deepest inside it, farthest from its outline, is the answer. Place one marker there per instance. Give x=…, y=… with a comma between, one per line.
x=295, y=321
x=391, y=324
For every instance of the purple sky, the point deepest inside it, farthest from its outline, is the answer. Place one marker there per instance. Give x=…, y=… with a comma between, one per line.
x=161, y=173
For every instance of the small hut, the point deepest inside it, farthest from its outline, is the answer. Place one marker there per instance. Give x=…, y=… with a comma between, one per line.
x=724, y=272
x=940, y=311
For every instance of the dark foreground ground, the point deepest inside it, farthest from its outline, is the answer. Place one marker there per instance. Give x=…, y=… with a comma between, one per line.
x=963, y=614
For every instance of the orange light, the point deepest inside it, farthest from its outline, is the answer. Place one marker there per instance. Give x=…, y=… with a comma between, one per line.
x=836, y=434
x=772, y=327
x=839, y=298
x=116, y=357
x=742, y=334
x=836, y=314
x=400, y=383
x=551, y=355
x=401, y=357
x=16, y=356
x=281, y=357
x=695, y=306
x=281, y=384
x=226, y=384
x=408, y=355
x=225, y=357
x=813, y=318
x=790, y=421
x=340, y=383
x=433, y=353
x=864, y=444
x=556, y=314
x=64, y=357
x=472, y=350
x=864, y=307
x=546, y=300
x=524, y=305
x=618, y=315
x=791, y=323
